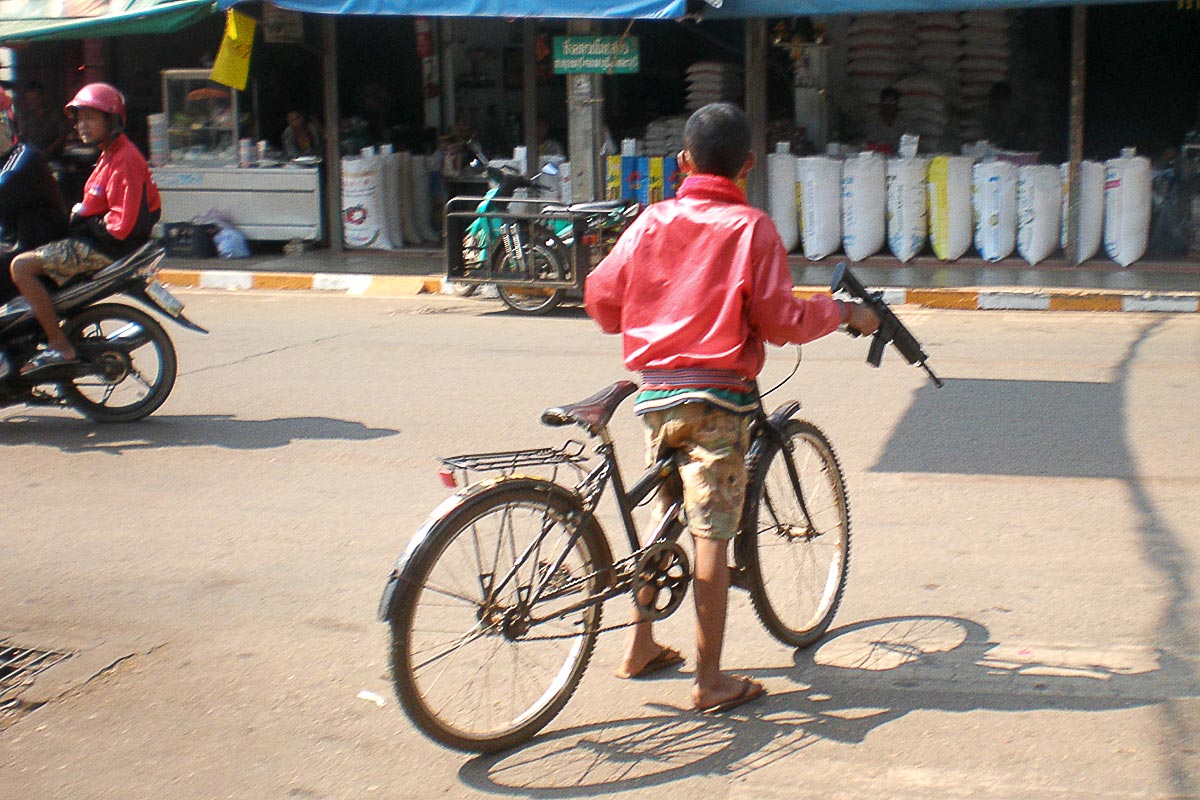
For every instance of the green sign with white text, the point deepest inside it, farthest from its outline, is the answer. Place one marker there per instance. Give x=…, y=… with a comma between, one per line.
x=603, y=54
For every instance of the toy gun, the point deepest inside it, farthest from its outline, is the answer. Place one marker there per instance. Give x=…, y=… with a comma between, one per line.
x=891, y=329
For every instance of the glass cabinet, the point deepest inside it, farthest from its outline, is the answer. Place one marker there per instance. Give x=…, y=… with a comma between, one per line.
x=201, y=118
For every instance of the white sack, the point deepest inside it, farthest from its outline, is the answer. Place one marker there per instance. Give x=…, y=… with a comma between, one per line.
x=864, y=205
x=1091, y=196
x=1126, y=208
x=781, y=197
x=819, y=197
x=949, y=187
x=907, y=218
x=1039, y=206
x=362, y=219
x=391, y=198
x=994, y=197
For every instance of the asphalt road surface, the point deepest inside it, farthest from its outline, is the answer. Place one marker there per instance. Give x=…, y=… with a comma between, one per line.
x=1020, y=621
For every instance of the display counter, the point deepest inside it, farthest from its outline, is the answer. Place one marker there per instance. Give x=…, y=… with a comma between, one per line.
x=283, y=203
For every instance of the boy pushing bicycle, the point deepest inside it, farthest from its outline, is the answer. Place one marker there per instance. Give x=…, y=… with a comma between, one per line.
x=695, y=287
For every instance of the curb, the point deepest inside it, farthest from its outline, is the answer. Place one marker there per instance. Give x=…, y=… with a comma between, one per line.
x=997, y=299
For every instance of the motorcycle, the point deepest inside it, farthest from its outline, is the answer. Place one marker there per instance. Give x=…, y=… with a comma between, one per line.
x=527, y=247
x=127, y=363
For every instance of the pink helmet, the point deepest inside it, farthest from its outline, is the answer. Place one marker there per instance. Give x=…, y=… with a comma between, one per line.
x=102, y=97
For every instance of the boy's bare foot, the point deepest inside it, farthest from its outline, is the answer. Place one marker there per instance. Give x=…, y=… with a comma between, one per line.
x=731, y=692
x=642, y=659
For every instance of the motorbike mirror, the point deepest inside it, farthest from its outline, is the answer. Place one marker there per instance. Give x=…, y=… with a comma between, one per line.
x=549, y=169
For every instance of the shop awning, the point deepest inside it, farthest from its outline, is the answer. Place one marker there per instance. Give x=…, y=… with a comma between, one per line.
x=44, y=20
x=650, y=9
x=547, y=9
x=742, y=9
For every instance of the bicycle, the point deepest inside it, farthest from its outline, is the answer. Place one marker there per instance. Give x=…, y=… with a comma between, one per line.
x=506, y=580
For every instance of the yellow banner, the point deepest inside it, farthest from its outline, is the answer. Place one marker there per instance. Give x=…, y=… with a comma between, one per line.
x=232, y=66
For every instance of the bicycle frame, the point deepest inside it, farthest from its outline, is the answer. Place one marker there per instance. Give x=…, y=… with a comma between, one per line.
x=765, y=430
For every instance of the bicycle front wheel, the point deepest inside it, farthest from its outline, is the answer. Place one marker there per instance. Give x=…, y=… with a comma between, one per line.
x=480, y=662
x=799, y=537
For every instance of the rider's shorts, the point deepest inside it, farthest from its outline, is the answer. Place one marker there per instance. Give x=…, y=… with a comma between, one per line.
x=66, y=258
x=711, y=446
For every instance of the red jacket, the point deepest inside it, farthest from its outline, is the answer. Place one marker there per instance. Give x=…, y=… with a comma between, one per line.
x=703, y=281
x=120, y=201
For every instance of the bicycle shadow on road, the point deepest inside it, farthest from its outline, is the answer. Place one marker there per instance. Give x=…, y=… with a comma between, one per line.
x=200, y=430
x=863, y=676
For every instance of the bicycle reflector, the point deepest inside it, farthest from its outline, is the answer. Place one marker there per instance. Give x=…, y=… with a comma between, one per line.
x=447, y=476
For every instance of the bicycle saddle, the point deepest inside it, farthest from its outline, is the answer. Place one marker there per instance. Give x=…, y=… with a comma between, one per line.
x=592, y=413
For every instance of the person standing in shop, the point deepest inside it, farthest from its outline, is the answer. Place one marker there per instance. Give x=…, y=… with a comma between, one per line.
x=883, y=129
x=300, y=137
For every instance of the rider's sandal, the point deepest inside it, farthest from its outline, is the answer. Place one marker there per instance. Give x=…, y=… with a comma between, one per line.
x=48, y=357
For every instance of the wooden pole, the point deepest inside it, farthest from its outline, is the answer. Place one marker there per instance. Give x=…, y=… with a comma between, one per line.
x=585, y=110
x=756, y=109
x=529, y=93
x=1075, y=138
x=333, y=142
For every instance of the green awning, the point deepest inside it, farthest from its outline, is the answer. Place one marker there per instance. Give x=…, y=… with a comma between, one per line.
x=45, y=20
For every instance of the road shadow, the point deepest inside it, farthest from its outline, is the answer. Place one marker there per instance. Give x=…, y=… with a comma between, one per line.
x=200, y=430
x=1074, y=430
x=863, y=676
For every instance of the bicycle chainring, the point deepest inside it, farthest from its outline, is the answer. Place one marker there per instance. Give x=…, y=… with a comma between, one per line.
x=661, y=580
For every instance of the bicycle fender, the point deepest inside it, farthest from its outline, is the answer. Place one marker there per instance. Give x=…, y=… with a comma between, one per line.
x=446, y=509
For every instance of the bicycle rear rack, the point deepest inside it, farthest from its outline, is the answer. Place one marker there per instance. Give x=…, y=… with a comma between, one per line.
x=508, y=461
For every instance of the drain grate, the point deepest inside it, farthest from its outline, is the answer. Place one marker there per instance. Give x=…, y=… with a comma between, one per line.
x=19, y=666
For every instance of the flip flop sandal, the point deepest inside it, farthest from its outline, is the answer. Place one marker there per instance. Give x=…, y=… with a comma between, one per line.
x=47, y=358
x=667, y=657
x=750, y=692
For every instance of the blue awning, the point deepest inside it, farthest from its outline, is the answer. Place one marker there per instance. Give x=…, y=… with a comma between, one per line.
x=545, y=9
x=653, y=9
x=42, y=20
x=742, y=9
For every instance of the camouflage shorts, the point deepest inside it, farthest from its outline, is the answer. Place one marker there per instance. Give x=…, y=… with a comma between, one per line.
x=711, y=448
x=66, y=258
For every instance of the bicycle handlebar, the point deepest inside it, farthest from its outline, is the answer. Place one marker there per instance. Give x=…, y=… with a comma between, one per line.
x=891, y=329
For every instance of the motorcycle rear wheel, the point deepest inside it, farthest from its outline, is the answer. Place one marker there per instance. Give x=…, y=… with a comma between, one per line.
x=136, y=363
x=533, y=300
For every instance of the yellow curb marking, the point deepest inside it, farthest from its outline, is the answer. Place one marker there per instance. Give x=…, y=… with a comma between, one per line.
x=188, y=278
x=1084, y=301
x=935, y=298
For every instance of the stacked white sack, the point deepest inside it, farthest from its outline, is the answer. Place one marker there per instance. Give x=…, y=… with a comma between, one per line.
x=1126, y=207
x=820, y=200
x=986, y=53
x=1091, y=198
x=781, y=197
x=362, y=218
x=864, y=205
x=907, y=216
x=949, y=187
x=874, y=60
x=1039, y=206
x=994, y=198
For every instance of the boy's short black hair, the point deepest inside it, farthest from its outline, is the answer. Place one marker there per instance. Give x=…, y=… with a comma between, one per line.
x=717, y=137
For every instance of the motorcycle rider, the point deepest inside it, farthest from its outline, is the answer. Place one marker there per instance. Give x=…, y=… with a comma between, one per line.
x=119, y=208
x=32, y=210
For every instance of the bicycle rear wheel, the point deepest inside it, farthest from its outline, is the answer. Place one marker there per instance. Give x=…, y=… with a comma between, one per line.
x=799, y=548
x=472, y=666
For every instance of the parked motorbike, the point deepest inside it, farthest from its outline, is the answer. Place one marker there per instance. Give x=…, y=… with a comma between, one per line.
x=528, y=247
x=127, y=363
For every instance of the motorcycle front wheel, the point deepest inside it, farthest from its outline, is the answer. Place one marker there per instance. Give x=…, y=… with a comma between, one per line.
x=134, y=362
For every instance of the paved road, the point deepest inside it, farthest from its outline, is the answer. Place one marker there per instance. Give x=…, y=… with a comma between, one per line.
x=1021, y=619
